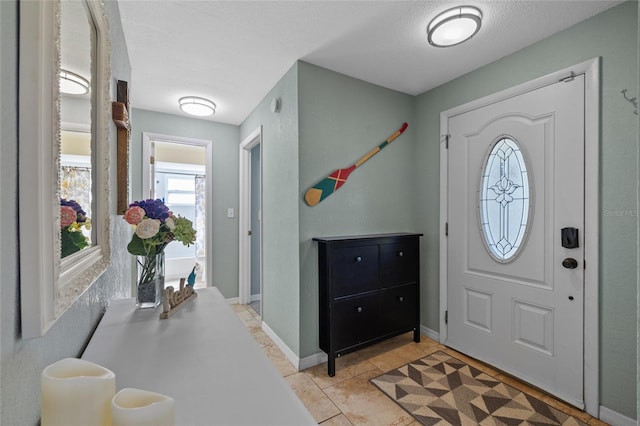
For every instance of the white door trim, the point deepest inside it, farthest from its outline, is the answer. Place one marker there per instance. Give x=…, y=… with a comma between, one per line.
x=591, y=70
x=147, y=137
x=244, y=215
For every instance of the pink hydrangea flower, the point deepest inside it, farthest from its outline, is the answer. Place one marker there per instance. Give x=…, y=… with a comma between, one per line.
x=67, y=216
x=134, y=215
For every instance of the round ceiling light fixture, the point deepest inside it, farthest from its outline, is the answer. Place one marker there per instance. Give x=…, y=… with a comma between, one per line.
x=454, y=26
x=72, y=83
x=195, y=105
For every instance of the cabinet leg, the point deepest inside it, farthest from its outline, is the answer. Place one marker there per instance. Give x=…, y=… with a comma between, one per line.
x=416, y=335
x=331, y=366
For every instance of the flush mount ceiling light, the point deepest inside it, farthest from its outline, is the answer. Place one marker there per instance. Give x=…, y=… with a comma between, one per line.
x=72, y=83
x=454, y=26
x=197, y=106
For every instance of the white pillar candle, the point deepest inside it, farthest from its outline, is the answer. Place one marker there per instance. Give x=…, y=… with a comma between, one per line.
x=76, y=392
x=135, y=407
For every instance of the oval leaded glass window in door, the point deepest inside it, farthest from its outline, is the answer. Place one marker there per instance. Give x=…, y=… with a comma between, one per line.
x=504, y=200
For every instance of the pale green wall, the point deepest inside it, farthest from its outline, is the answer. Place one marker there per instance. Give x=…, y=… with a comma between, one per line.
x=280, y=215
x=22, y=361
x=225, y=182
x=341, y=119
x=613, y=36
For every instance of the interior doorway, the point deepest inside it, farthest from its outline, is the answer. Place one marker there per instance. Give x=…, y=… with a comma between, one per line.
x=178, y=171
x=250, y=289
x=256, y=225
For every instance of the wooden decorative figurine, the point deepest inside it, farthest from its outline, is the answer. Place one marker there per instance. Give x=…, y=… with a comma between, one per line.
x=172, y=300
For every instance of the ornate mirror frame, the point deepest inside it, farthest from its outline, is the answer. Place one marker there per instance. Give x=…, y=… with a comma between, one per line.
x=49, y=285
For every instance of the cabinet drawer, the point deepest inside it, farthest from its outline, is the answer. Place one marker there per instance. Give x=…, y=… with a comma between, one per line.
x=398, y=308
x=398, y=263
x=354, y=270
x=354, y=321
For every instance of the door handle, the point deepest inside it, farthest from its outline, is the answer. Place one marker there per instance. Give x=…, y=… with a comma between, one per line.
x=570, y=263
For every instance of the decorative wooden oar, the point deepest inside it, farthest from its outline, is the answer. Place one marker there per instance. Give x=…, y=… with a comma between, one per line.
x=335, y=180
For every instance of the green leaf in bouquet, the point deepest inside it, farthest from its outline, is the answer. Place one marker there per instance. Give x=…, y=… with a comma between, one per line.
x=137, y=247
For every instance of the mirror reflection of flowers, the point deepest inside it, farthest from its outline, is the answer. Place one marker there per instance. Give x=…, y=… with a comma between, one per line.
x=155, y=227
x=72, y=220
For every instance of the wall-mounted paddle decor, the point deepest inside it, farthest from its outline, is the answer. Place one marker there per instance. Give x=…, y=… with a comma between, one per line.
x=335, y=180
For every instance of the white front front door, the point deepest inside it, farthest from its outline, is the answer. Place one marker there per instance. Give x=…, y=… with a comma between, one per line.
x=515, y=287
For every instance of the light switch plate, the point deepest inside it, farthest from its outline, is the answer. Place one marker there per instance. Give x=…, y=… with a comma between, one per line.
x=230, y=213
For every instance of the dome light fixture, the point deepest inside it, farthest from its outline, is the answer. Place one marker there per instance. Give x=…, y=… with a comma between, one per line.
x=195, y=105
x=454, y=26
x=72, y=83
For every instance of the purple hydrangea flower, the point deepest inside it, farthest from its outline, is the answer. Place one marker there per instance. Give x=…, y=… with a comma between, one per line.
x=154, y=209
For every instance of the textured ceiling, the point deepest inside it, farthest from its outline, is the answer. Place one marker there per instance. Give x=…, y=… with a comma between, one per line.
x=234, y=52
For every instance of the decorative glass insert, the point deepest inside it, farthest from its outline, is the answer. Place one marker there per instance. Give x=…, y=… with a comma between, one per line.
x=504, y=200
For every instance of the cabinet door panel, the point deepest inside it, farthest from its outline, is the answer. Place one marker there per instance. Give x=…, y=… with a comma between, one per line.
x=398, y=263
x=398, y=308
x=354, y=321
x=354, y=270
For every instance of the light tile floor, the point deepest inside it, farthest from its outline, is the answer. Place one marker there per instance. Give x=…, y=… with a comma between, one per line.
x=349, y=398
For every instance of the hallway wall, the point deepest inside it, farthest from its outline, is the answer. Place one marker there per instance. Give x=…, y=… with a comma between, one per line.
x=21, y=361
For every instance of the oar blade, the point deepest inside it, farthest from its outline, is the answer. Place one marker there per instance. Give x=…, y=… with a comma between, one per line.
x=327, y=186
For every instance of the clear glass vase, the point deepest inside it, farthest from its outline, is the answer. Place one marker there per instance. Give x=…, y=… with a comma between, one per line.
x=150, y=280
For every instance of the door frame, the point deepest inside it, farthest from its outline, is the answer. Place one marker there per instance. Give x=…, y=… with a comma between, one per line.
x=591, y=71
x=147, y=137
x=244, y=215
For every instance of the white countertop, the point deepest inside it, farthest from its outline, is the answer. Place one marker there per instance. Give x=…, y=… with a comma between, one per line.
x=203, y=357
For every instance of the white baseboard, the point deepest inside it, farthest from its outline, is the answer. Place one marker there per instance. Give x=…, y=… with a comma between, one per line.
x=320, y=357
x=614, y=418
x=291, y=356
x=431, y=334
x=299, y=363
x=312, y=360
x=236, y=300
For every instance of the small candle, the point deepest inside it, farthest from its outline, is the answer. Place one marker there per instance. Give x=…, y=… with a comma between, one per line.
x=76, y=392
x=135, y=407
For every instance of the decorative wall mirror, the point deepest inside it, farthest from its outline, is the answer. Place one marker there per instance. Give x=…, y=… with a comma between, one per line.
x=62, y=41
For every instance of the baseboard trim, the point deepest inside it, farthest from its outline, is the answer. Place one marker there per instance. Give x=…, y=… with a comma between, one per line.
x=299, y=363
x=320, y=357
x=431, y=334
x=291, y=356
x=236, y=300
x=615, y=418
x=312, y=360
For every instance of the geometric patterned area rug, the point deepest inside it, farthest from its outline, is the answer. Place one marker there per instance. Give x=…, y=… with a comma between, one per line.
x=442, y=390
